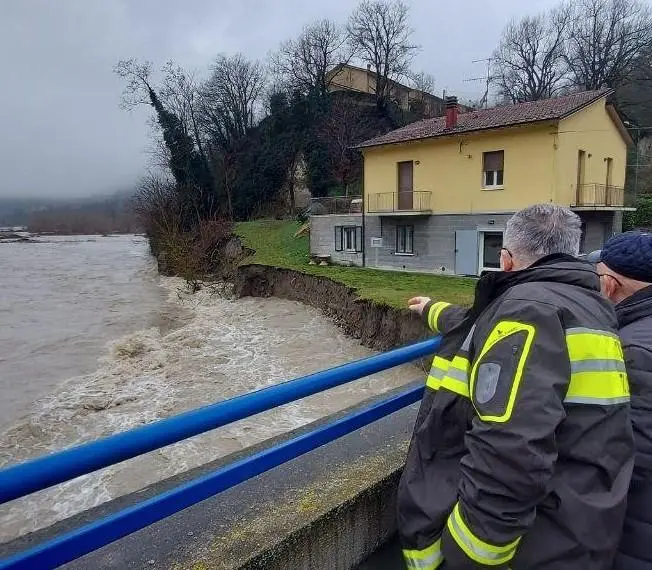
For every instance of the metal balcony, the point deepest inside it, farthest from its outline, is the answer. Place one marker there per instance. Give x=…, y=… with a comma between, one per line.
x=336, y=205
x=599, y=196
x=401, y=203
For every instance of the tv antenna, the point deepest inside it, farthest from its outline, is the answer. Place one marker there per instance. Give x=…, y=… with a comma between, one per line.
x=485, y=78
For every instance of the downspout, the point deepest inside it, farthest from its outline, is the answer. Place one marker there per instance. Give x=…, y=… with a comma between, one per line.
x=364, y=234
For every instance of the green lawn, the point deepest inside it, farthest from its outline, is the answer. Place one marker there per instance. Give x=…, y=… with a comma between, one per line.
x=275, y=245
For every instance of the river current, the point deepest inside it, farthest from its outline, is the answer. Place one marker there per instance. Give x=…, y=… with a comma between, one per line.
x=93, y=341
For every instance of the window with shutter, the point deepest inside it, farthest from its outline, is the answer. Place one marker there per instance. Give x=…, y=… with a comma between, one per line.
x=493, y=167
x=358, y=239
x=338, y=238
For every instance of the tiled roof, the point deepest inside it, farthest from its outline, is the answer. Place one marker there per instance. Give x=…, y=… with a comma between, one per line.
x=534, y=111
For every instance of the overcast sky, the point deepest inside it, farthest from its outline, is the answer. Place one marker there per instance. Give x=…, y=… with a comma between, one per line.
x=61, y=130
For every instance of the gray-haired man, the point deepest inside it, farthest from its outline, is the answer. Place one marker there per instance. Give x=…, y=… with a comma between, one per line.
x=522, y=450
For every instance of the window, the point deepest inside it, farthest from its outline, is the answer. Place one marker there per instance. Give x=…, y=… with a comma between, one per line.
x=405, y=239
x=493, y=164
x=492, y=242
x=348, y=239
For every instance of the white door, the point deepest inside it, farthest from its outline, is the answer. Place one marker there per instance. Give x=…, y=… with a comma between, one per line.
x=466, y=252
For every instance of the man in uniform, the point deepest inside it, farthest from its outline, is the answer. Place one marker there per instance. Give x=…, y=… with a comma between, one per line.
x=523, y=449
x=625, y=268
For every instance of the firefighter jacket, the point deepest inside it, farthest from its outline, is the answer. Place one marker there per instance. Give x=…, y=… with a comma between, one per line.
x=523, y=449
x=635, y=322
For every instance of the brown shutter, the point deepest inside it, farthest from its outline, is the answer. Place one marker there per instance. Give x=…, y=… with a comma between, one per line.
x=494, y=160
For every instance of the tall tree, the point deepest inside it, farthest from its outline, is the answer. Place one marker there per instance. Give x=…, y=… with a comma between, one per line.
x=230, y=97
x=380, y=33
x=229, y=104
x=606, y=40
x=304, y=63
x=529, y=64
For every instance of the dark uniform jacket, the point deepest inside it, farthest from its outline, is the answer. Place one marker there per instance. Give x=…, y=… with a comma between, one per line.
x=635, y=321
x=523, y=449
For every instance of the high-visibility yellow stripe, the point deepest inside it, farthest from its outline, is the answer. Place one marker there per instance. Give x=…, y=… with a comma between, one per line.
x=427, y=559
x=475, y=548
x=437, y=372
x=501, y=331
x=598, y=375
x=457, y=376
x=587, y=344
x=434, y=312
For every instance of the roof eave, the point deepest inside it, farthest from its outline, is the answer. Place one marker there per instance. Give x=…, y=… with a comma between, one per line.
x=458, y=133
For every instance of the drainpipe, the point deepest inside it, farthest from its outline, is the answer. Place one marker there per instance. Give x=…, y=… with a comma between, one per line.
x=364, y=234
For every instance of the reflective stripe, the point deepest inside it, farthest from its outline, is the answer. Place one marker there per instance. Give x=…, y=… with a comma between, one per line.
x=597, y=365
x=457, y=376
x=437, y=372
x=427, y=559
x=434, y=312
x=598, y=375
x=475, y=548
x=589, y=344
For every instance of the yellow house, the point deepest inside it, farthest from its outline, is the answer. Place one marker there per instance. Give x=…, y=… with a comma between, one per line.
x=437, y=193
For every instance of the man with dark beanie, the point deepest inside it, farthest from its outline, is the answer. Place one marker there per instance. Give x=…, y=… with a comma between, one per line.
x=625, y=268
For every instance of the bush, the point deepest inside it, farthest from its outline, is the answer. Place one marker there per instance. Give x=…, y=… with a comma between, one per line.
x=642, y=217
x=185, y=244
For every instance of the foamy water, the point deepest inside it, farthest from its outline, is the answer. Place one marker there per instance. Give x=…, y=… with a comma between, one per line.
x=214, y=349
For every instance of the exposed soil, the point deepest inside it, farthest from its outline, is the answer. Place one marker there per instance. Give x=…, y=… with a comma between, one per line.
x=377, y=326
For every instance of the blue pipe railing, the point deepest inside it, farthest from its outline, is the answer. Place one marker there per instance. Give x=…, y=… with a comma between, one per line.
x=31, y=476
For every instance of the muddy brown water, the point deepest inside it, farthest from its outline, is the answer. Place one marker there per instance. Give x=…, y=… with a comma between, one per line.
x=93, y=341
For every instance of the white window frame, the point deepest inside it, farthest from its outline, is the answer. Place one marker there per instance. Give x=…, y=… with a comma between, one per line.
x=482, y=233
x=348, y=239
x=494, y=185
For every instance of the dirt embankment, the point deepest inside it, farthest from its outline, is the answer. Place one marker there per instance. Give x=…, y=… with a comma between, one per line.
x=376, y=326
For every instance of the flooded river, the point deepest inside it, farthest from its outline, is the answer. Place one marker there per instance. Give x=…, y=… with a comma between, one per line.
x=93, y=341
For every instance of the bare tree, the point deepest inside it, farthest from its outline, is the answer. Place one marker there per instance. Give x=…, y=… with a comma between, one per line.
x=305, y=62
x=230, y=97
x=422, y=84
x=379, y=32
x=180, y=94
x=344, y=126
x=606, y=40
x=529, y=64
x=137, y=76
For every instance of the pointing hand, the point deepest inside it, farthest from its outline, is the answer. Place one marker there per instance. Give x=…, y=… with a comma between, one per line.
x=418, y=304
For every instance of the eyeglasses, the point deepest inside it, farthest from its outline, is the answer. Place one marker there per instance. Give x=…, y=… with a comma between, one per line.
x=612, y=276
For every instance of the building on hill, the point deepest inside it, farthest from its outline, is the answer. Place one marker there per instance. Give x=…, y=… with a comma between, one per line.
x=345, y=77
x=437, y=193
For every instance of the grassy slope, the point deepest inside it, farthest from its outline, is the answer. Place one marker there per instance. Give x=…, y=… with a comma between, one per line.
x=276, y=245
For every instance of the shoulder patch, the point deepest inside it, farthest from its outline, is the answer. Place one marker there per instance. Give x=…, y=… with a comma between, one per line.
x=487, y=381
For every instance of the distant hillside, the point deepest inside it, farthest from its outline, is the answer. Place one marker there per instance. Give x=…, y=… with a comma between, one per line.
x=92, y=215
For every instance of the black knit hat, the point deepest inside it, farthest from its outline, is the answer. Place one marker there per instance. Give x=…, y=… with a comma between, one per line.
x=629, y=254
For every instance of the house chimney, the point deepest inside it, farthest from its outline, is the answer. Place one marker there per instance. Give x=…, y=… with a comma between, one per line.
x=452, y=111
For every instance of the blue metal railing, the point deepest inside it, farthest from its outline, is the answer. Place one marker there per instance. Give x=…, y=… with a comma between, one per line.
x=23, y=479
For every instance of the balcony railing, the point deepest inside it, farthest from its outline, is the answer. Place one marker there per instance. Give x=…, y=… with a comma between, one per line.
x=336, y=205
x=397, y=202
x=599, y=196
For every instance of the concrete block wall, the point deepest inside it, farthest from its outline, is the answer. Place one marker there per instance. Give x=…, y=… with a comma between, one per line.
x=322, y=237
x=434, y=240
x=599, y=227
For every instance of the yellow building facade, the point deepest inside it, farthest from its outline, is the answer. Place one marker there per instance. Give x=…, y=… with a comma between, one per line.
x=438, y=193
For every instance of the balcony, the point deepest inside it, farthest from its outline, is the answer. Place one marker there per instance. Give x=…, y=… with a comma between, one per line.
x=336, y=205
x=400, y=203
x=599, y=196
